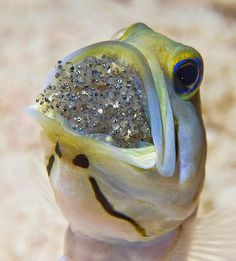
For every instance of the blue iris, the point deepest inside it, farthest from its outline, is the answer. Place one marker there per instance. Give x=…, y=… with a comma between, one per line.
x=187, y=75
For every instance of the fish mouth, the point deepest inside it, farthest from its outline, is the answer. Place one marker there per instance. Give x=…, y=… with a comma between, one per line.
x=107, y=92
x=102, y=97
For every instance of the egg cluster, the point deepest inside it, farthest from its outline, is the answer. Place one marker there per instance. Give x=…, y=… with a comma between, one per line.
x=99, y=96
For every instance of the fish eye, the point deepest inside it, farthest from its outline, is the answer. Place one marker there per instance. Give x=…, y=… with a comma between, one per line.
x=187, y=75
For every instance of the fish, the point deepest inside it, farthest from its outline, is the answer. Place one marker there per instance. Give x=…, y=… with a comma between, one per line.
x=125, y=151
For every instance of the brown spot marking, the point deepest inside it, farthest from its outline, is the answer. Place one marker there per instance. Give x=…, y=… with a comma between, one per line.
x=58, y=150
x=50, y=164
x=81, y=160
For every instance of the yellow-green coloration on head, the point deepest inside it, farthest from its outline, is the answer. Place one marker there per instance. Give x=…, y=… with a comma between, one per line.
x=134, y=193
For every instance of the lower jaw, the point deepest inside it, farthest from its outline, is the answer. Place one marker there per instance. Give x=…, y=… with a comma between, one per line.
x=81, y=248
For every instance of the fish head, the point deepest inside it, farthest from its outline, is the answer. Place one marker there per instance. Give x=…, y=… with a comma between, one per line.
x=124, y=138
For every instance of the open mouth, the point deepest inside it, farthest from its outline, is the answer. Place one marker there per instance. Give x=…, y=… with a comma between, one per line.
x=111, y=93
x=99, y=96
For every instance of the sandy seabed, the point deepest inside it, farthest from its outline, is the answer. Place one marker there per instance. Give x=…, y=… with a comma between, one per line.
x=35, y=34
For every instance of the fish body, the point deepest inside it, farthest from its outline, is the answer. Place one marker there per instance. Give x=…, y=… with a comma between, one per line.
x=126, y=146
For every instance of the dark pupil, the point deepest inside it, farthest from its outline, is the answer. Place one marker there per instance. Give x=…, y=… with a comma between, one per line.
x=187, y=74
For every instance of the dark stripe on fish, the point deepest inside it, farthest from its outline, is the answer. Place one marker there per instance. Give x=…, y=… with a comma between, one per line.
x=58, y=150
x=109, y=208
x=50, y=164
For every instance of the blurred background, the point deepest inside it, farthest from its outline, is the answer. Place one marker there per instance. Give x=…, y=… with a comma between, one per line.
x=34, y=35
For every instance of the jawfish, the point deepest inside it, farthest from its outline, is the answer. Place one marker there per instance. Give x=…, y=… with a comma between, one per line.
x=126, y=148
